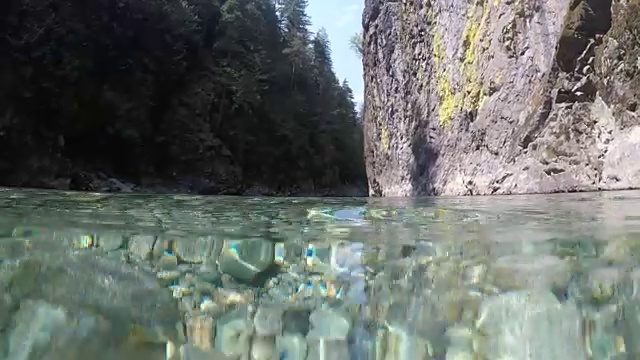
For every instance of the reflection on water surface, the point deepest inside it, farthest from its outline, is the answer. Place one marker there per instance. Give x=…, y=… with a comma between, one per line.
x=188, y=277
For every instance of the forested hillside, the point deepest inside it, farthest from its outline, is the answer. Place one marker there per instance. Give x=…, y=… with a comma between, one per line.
x=212, y=95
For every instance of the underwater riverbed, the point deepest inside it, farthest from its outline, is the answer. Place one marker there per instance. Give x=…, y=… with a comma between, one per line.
x=138, y=276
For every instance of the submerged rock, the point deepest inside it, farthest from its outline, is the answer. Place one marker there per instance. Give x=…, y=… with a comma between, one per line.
x=246, y=259
x=531, y=325
x=45, y=331
x=233, y=333
x=190, y=352
x=291, y=347
x=84, y=307
x=526, y=272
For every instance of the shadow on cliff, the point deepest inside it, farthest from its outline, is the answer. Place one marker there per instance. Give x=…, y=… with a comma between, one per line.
x=422, y=174
x=424, y=154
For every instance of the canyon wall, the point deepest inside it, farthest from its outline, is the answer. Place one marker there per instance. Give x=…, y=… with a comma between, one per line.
x=469, y=97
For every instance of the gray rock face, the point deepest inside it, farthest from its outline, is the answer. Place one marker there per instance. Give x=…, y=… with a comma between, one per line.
x=501, y=96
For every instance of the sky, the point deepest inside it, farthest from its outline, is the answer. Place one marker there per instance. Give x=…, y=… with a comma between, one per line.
x=341, y=19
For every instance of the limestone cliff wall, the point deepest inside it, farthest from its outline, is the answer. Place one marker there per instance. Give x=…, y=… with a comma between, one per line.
x=501, y=96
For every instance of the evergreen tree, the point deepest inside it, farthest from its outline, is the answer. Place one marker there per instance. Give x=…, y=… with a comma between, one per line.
x=237, y=92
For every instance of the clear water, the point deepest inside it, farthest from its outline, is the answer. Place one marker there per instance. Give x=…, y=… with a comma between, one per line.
x=139, y=276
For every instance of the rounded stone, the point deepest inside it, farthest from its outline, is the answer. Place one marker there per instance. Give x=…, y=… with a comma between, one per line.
x=518, y=272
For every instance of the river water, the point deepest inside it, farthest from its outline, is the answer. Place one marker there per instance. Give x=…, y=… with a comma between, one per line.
x=137, y=276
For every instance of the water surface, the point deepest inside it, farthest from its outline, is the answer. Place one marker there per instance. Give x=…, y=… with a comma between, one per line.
x=117, y=276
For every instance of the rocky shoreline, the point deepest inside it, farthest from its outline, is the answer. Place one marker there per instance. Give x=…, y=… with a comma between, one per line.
x=101, y=182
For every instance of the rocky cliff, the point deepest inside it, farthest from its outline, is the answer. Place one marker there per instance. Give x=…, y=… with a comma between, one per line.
x=501, y=96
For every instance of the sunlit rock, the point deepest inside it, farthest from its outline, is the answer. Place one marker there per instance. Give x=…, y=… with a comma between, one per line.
x=531, y=325
x=264, y=348
x=191, y=352
x=233, y=333
x=603, y=337
x=329, y=324
x=403, y=344
x=268, y=320
x=141, y=246
x=622, y=250
x=45, y=331
x=631, y=327
x=195, y=250
x=415, y=329
x=460, y=343
x=323, y=348
x=363, y=344
x=245, y=259
x=201, y=331
x=211, y=308
x=327, y=338
x=230, y=297
x=527, y=271
x=598, y=286
x=291, y=346
x=167, y=277
x=110, y=241
x=128, y=297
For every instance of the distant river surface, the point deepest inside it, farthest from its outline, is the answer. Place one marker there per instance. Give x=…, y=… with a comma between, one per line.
x=138, y=276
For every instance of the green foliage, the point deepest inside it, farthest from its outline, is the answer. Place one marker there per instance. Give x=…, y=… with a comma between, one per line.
x=234, y=91
x=356, y=41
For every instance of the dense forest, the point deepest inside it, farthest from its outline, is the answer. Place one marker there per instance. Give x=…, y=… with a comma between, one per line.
x=215, y=95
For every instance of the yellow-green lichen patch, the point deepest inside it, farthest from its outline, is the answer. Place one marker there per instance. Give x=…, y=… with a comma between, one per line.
x=474, y=29
x=378, y=120
x=438, y=49
x=384, y=137
x=446, y=98
x=447, y=105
